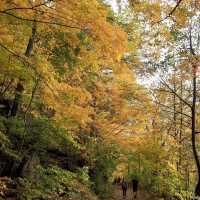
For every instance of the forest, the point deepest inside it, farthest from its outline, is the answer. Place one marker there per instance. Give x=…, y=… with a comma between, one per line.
x=98, y=93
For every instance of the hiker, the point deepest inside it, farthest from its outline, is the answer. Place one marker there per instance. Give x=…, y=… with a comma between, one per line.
x=115, y=181
x=135, y=187
x=118, y=180
x=124, y=188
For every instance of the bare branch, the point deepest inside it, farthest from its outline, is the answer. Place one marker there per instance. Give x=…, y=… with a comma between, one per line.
x=171, y=90
x=171, y=110
x=40, y=21
x=170, y=13
x=24, y=8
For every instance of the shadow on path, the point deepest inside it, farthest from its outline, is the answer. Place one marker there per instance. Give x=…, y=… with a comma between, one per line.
x=142, y=195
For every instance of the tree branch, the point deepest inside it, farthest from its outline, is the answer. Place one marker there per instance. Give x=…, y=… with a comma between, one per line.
x=40, y=21
x=32, y=97
x=171, y=90
x=190, y=40
x=172, y=111
x=24, y=8
x=170, y=13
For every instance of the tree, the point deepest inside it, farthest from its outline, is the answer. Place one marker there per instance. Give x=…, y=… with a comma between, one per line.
x=177, y=47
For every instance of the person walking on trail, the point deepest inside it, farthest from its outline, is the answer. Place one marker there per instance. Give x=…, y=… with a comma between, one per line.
x=124, y=188
x=135, y=187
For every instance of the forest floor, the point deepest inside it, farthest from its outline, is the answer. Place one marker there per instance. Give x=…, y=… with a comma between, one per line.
x=142, y=195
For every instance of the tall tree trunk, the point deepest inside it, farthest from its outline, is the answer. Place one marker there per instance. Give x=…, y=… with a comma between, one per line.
x=29, y=48
x=19, y=89
x=181, y=129
x=18, y=95
x=174, y=102
x=194, y=149
x=187, y=181
x=193, y=110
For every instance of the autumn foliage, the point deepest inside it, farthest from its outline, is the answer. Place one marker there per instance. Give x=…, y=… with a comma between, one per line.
x=78, y=106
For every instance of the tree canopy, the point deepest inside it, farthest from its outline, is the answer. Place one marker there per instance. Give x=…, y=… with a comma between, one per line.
x=89, y=94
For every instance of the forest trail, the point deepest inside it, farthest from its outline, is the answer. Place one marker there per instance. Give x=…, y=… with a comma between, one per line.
x=142, y=195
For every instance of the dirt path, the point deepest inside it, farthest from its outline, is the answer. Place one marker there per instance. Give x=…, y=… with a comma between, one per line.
x=117, y=195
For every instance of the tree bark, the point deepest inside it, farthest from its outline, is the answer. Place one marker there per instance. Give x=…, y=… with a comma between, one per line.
x=18, y=96
x=29, y=48
x=193, y=111
x=194, y=149
x=20, y=88
x=181, y=129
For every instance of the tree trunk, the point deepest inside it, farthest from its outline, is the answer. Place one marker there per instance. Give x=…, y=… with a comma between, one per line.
x=16, y=102
x=195, y=153
x=29, y=48
x=20, y=88
x=181, y=130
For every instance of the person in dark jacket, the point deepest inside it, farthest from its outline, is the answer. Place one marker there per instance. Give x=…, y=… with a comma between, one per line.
x=124, y=188
x=135, y=187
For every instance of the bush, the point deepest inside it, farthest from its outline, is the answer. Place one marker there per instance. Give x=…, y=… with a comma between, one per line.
x=55, y=183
